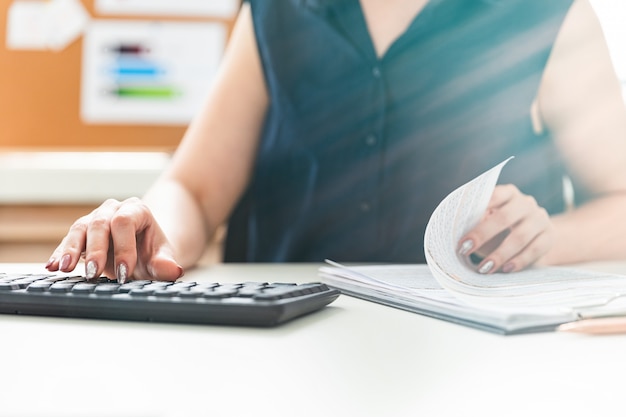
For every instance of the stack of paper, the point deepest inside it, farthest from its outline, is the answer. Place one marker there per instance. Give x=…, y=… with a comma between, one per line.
x=534, y=300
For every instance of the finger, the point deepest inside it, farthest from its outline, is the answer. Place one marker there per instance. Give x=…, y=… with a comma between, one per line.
x=497, y=223
x=526, y=242
x=502, y=194
x=99, y=239
x=128, y=221
x=67, y=255
x=530, y=254
x=163, y=267
x=54, y=260
x=156, y=259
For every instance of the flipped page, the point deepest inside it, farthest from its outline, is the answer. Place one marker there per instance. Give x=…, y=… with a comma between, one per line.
x=536, y=299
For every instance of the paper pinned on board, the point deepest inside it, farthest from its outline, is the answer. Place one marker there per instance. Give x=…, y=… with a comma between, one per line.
x=148, y=72
x=193, y=8
x=45, y=25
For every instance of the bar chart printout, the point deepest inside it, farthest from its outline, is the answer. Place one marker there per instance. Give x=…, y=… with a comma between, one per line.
x=144, y=72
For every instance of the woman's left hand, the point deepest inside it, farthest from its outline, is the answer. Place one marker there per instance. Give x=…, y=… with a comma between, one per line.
x=513, y=234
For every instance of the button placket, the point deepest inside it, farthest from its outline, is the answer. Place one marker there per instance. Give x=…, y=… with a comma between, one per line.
x=371, y=141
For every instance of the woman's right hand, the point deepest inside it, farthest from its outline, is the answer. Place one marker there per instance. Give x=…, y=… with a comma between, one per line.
x=120, y=240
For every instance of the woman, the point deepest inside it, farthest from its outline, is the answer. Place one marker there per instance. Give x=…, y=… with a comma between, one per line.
x=335, y=127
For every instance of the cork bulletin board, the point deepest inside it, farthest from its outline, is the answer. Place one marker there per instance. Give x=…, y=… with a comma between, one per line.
x=40, y=93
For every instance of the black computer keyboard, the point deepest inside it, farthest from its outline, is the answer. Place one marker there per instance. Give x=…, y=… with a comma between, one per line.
x=246, y=304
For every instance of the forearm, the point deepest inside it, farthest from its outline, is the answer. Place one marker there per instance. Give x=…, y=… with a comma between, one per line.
x=592, y=232
x=181, y=219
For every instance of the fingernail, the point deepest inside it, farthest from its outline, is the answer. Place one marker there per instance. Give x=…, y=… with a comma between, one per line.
x=122, y=273
x=487, y=266
x=90, y=270
x=50, y=262
x=508, y=267
x=466, y=247
x=65, y=262
x=181, y=271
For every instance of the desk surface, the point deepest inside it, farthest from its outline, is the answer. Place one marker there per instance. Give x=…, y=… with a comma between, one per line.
x=354, y=358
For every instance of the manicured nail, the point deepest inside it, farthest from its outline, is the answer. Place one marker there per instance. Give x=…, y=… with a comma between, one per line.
x=90, y=270
x=466, y=247
x=50, y=262
x=508, y=267
x=65, y=262
x=122, y=273
x=487, y=266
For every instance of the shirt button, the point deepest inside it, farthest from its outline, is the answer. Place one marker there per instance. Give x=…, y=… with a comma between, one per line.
x=376, y=72
x=370, y=140
x=365, y=207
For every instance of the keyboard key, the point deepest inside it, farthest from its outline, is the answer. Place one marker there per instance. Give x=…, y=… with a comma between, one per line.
x=83, y=288
x=39, y=286
x=140, y=282
x=75, y=280
x=250, y=289
x=61, y=287
x=156, y=286
x=166, y=292
x=219, y=292
x=205, y=285
x=128, y=287
x=191, y=293
x=107, y=288
x=183, y=285
x=56, y=279
x=9, y=286
x=25, y=282
x=144, y=292
x=277, y=293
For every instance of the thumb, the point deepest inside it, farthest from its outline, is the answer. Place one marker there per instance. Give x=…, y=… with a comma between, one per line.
x=163, y=267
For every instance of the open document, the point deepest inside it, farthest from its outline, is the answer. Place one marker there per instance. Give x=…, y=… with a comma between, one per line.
x=537, y=299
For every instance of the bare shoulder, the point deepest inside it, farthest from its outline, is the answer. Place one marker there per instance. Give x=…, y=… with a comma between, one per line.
x=581, y=102
x=580, y=58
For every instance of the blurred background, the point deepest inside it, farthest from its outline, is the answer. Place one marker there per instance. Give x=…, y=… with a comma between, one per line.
x=94, y=97
x=96, y=94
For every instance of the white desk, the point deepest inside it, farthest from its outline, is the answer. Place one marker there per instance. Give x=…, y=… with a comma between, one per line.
x=354, y=358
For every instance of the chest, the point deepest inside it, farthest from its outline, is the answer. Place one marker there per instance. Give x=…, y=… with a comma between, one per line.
x=386, y=21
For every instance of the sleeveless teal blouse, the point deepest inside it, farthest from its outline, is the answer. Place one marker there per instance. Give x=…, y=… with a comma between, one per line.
x=357, y=150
